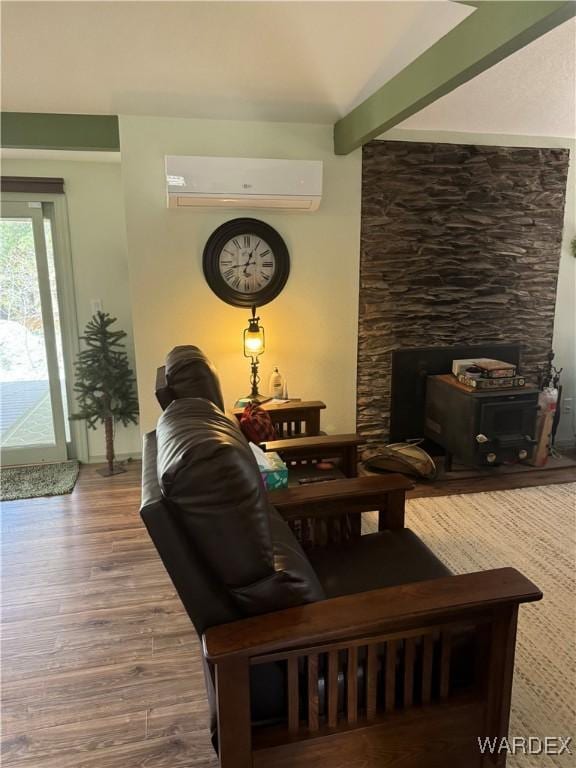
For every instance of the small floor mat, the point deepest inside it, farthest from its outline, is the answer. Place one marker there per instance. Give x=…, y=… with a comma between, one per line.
x=28, y=482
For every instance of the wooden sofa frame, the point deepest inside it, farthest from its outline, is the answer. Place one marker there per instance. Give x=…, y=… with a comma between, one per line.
x=403, y=718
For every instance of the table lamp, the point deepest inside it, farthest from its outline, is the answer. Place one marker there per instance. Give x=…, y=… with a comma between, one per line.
x=254, y=346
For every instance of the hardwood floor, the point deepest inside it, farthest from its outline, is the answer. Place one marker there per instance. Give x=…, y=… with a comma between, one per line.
x=463, y=480
x=469, y=480
x=100, y=664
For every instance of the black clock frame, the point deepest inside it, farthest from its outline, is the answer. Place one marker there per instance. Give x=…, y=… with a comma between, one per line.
x=211, y=265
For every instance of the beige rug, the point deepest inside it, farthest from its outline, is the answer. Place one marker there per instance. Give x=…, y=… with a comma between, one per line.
x=533, y=530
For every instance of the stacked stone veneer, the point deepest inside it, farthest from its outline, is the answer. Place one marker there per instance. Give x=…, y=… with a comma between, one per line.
x=460, y=245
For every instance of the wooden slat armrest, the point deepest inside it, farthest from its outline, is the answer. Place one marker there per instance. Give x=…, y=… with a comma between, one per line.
x=355, y=494
x=296, y=445
x=369, y=613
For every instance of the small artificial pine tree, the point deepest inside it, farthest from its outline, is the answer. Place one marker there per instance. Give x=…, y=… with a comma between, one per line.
x=105, y=383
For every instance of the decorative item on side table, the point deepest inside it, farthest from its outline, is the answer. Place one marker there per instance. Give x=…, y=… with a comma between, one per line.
x=256, y=424
x=105, y=383
x=278, y=387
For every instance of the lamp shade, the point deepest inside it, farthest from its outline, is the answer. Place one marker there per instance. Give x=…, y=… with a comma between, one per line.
x=253, y=339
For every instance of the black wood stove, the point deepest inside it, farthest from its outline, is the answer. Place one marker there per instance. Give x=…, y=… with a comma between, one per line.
x=481, y=428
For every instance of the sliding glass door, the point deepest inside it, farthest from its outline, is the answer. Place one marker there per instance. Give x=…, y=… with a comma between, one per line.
x=32, y=417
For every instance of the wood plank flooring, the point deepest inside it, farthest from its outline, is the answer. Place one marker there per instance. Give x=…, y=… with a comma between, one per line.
x=462, y=481
x=100, y=664
x=469, y=480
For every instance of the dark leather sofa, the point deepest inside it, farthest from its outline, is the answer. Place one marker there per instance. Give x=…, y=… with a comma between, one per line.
x=321, y=646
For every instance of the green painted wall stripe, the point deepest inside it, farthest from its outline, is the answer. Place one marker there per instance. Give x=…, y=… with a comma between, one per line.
x=491, y=33
x=32, y=130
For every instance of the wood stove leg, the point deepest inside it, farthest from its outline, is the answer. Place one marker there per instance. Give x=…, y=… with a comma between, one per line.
x=448, y=462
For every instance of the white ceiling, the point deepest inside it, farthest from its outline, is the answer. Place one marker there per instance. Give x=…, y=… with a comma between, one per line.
x=532, y=92
x=293, y=61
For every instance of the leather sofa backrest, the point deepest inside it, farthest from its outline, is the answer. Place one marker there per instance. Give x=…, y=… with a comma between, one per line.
x=205, y=600
x=210, y=483
x=187, y=373
x=205, y=469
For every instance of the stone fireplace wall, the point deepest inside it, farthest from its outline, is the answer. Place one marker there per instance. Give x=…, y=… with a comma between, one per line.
x=460, y=244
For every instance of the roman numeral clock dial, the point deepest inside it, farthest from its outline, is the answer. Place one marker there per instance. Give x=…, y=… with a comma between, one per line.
x=246, y=262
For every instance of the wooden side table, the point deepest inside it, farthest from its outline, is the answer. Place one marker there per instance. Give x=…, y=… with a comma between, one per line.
x=298, y=451
x=294, y=418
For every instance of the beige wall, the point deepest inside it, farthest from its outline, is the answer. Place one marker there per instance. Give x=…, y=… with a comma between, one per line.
x=98, y=243
x=311, y=328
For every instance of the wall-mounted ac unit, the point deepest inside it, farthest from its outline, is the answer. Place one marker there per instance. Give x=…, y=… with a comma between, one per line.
x=241, y=182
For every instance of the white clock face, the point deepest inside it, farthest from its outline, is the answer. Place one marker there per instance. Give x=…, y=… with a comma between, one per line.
x=247, y=263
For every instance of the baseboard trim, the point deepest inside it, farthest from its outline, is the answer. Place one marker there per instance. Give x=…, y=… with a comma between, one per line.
x=101, y=459
x=565, y=444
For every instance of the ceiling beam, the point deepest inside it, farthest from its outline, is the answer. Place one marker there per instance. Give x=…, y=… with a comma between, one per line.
x=36, y=130
x=495, y=30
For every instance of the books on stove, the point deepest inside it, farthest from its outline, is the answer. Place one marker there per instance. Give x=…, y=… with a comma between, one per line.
x=483, y=368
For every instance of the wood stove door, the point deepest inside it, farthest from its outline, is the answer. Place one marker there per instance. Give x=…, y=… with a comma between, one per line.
x=510, y=424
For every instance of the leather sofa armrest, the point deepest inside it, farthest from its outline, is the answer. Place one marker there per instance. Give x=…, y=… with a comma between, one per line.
x=350, y=495
x=376, y=612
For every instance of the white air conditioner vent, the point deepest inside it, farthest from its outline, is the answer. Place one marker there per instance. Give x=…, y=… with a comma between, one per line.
x=240, y=182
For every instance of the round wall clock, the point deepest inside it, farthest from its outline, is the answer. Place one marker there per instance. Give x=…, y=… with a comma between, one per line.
x=246, y=262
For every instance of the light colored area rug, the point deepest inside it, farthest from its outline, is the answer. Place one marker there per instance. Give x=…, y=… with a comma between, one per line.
x=533, y=530
x=33, y=480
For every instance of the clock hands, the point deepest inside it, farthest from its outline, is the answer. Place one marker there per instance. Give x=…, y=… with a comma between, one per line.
x=249, y=262
x=243, y=266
